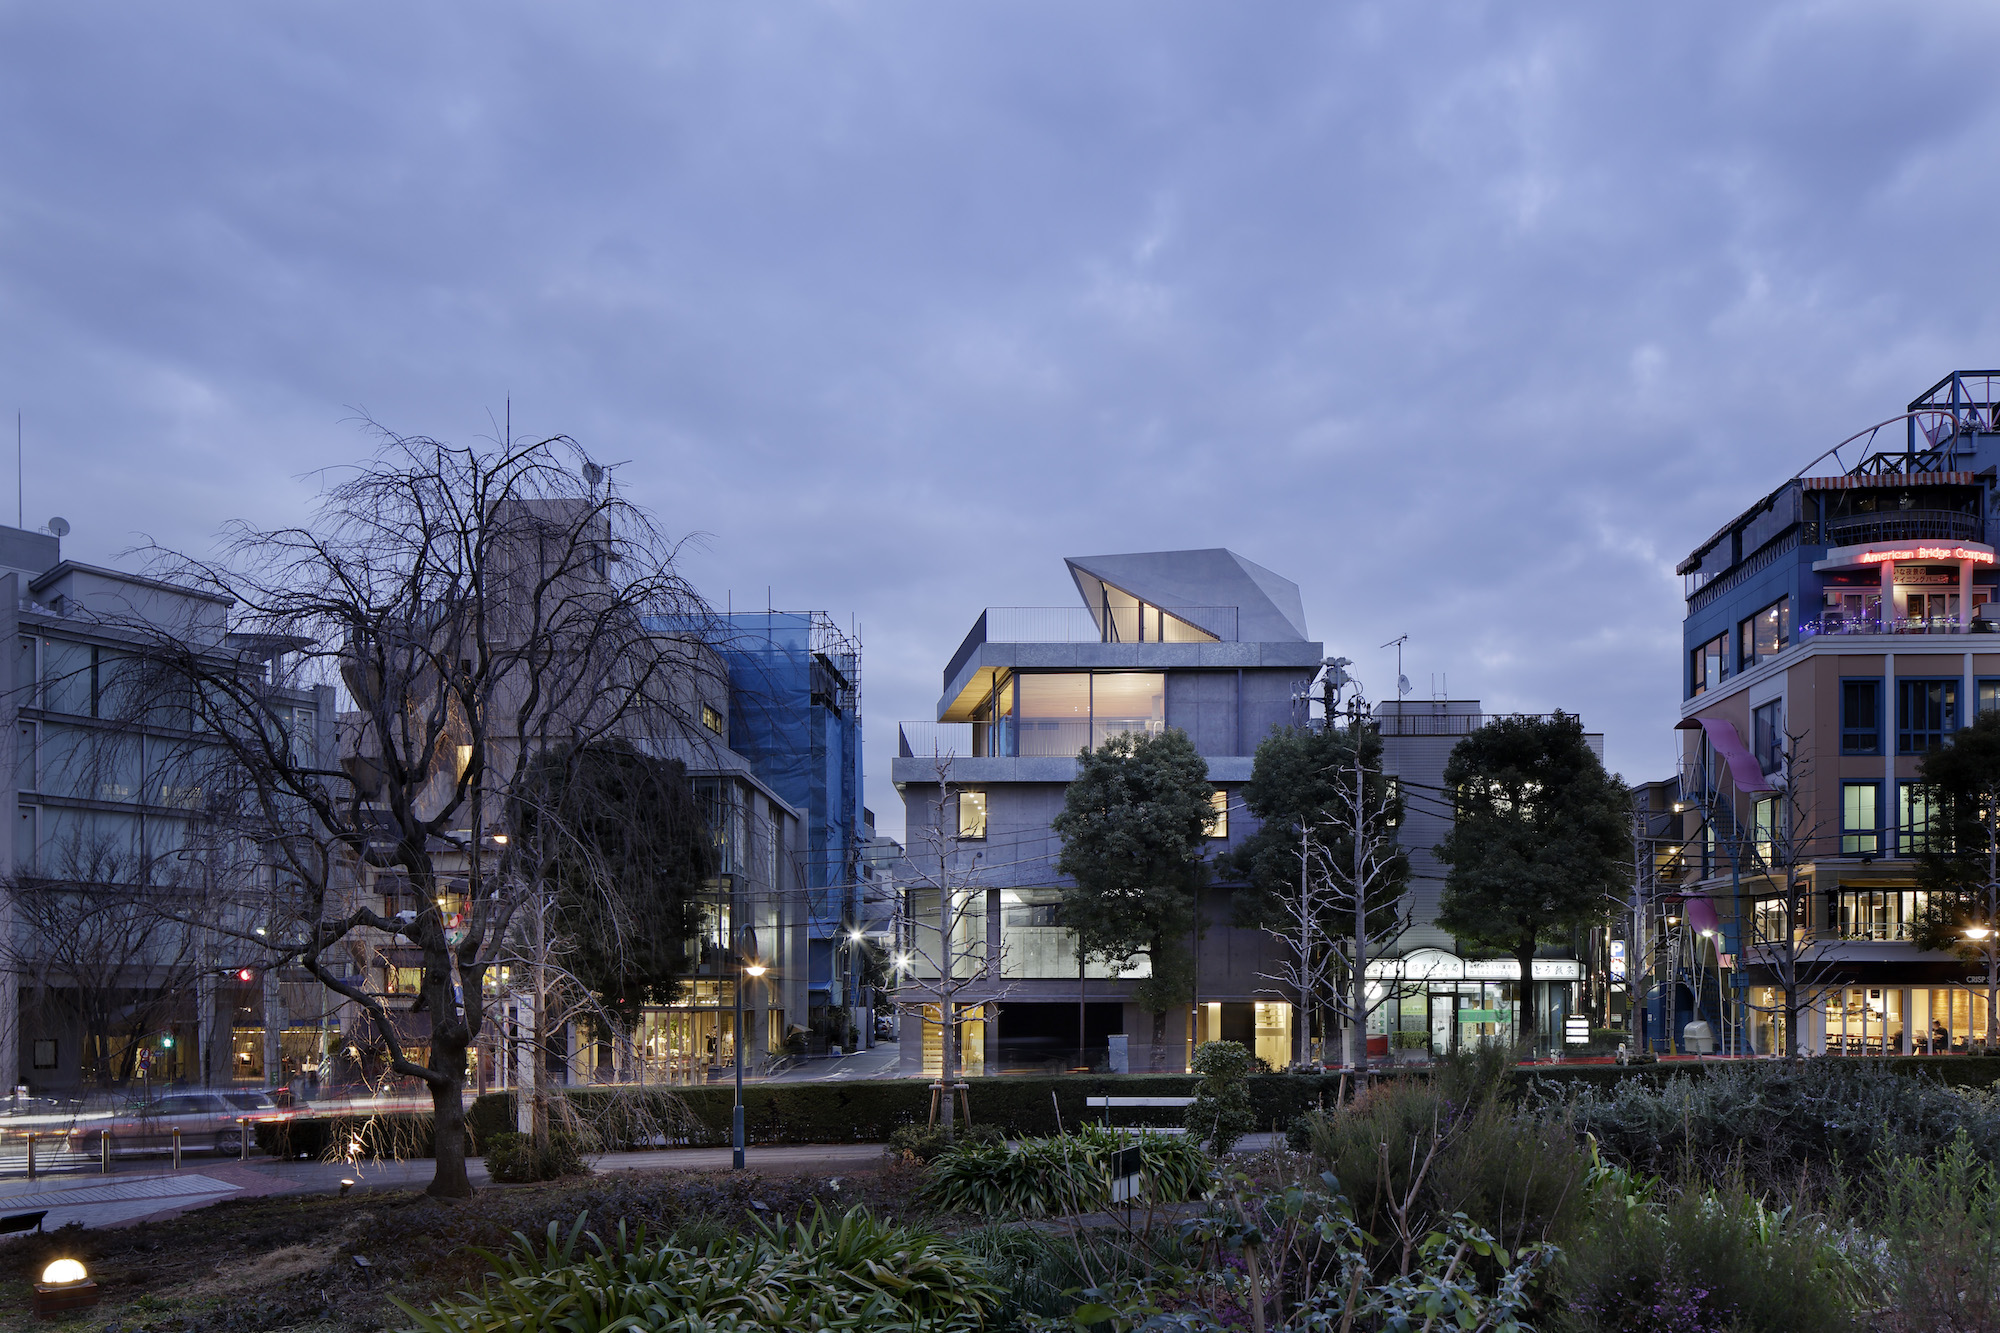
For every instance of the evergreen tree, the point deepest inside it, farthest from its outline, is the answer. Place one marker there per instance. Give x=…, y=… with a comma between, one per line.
x=1133, y=824
x=626, y=872
x=1542, y=841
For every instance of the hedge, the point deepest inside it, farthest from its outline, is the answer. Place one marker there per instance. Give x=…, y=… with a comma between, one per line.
x=869, y=1111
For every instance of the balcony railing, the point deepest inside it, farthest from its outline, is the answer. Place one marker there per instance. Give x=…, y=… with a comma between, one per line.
x=1896, y=625
x=1014, y=738
x=1076, y=624
x=1905, y=525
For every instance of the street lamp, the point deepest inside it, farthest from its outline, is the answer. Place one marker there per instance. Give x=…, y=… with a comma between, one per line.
x=1989, y=945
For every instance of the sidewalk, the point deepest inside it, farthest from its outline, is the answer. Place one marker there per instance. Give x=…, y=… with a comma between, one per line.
x=147, y=1188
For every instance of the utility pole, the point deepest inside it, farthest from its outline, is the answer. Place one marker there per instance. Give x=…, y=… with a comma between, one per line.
x=1358, y=1051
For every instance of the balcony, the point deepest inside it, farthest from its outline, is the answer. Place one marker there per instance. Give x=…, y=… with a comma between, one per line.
x=1837, y=624
x=1134, y=623
x=1905, y=525
x=1014, y=738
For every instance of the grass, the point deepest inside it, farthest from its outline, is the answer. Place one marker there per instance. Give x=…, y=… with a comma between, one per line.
x=323, y=1264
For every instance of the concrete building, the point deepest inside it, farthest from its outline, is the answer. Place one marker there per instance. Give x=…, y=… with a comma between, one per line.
x=1833, y=634
x=1205, y=641
x=112, y=792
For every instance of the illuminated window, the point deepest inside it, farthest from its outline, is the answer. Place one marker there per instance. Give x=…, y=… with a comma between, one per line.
x=1764, y=634
x=1913, y=816
x=1218, y=814
x=1858, y=828
x=1926, y=714
x=1764, y=828
x=972, y=814
x=711, y=718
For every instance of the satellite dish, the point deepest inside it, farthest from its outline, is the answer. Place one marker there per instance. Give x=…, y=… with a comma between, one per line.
x=59, y=526
x=1403, y=685
x=592, y=474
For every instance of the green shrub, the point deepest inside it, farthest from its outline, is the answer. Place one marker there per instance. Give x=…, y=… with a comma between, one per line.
x=858, y=1274
x=1941, y=1221
x=1069, y=1173
x=1780, y=1120
x=926, y=1142
x=1221, y=1112
x=1706, y=1259
x=515, y=1159
x=1432, y=1148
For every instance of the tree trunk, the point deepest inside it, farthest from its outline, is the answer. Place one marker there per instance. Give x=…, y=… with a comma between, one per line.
x=1159, y=1039
x=448, y=1116
x=1529, y=1026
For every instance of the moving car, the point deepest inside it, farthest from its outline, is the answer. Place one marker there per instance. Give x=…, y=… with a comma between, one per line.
x=211, y=1120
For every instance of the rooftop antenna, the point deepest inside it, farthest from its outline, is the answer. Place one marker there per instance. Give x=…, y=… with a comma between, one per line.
x=1403, y=685
x=20, y=501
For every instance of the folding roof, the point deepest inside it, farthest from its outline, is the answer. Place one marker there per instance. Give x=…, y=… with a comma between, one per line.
x=1268, y=606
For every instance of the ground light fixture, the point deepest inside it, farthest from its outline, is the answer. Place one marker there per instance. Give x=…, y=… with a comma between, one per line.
x=65, y=1286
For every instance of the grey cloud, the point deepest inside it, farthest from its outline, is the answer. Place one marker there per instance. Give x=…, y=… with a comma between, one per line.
x=1470, y=318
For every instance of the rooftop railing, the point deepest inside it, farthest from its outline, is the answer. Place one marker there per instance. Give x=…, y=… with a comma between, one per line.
x=1077, y=624
x=1905, y=525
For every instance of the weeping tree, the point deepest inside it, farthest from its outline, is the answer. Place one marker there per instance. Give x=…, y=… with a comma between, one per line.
x=623, y=854
x=1134, y=826
x=484, y=611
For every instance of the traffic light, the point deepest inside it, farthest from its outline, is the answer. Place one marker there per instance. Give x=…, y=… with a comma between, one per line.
x=246, y=974
x=167, y=1043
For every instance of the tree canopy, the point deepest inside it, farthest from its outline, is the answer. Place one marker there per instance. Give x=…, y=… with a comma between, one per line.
x=1134, y=824
x=627, y=854
x=1306, y=777
x=1962, y=785
x=1542, y=840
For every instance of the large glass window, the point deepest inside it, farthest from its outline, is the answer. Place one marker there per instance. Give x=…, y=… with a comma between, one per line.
x=1861, y=717
x=1054, y=717
x=1705, y=665
x=1988, y=696
x=1913, y=817
x=1764, y=634
x=1035, y=943
x=1926, y=714
x=1767, y=734
x=1859, y=831
x=1877, y=914
x=1122, y=702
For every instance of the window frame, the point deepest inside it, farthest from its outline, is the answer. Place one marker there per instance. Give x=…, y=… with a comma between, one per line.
x=1850, y=733
x=1852, y=834
x=1910, y=840
x=1698, y=659
x=1949, y=724
x=977, y=799
x=1218, y=814
x=1748, y=653
x=1768, y=750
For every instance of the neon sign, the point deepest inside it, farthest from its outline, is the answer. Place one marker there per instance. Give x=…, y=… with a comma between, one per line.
x=1927, y=553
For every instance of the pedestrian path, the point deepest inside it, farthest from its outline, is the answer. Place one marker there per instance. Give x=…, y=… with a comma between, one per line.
x=109, y=1201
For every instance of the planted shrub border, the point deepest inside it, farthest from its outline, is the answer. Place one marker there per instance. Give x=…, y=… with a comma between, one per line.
x=870, y=1111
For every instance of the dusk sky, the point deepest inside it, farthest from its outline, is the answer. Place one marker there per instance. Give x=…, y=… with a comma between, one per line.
x=1473, y=319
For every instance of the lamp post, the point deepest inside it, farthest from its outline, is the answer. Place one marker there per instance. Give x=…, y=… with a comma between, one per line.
x=1989, y=945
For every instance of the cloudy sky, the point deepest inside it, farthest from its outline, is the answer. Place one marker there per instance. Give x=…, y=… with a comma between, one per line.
x=1471, y=318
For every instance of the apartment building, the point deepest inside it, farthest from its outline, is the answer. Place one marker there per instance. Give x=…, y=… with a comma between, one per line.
x=1834, y=632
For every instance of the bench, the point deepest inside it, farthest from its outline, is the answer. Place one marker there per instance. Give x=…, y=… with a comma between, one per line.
x=1110, y=1104
x=13, y=1222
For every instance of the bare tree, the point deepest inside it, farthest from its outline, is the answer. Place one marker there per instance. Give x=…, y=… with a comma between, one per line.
x=97, y=952
x=942, y=965
x=480, y=607
x=1779, y=934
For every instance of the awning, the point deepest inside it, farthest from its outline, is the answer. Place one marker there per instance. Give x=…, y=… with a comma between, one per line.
x=1744, y=770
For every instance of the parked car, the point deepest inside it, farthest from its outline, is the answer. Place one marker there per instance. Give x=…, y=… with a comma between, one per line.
x=210, y=1120
x=885, y=1028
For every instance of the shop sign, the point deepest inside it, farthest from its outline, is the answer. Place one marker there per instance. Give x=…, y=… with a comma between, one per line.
x=1484, y=1015
x=1576, y=1030
x=1876, y=557
x=1435, y=965
x=1617, y=960
x=1908, y=574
